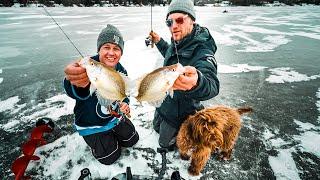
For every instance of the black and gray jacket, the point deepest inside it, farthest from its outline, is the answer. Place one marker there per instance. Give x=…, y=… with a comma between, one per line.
x=90, y=116
x=196, y=49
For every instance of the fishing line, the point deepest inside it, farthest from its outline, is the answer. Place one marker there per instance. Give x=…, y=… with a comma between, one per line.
x=149, y=40
x=175, y=46
x=63, y=31
x=151, y=17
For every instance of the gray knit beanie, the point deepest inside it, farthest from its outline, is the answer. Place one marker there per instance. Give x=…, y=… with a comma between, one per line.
x=182, y=6
x=110, y=34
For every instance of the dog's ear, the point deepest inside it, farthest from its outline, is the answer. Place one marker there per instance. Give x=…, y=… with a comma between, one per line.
x=194, y=131
x=207, y=115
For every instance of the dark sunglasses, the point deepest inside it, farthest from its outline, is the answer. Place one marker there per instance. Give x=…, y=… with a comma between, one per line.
x=179, y=20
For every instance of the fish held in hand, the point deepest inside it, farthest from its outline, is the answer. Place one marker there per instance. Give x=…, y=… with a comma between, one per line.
x=108, y=83
x=155, y=86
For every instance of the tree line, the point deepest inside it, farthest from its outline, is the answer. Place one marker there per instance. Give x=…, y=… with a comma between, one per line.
x=261, y=2
x=88, y=3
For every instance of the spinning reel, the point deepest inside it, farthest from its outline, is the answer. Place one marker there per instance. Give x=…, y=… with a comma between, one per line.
x=149, y=42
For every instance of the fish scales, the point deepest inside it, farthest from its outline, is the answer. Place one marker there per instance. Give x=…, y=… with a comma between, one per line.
x=154, y=87
x=105, y=81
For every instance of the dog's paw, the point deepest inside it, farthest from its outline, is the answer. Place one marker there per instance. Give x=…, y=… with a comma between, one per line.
x=224, y=156
x=192, y=171
x=184, y=157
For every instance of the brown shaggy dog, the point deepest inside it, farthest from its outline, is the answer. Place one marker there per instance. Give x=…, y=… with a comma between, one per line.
x=208, y=130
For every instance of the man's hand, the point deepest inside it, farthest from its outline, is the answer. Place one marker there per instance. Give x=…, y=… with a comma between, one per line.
x=77, y=75
x=187, y=80
x=154, y=37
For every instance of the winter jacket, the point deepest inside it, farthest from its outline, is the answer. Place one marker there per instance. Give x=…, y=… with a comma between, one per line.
x=197, y=49
x=90, y=116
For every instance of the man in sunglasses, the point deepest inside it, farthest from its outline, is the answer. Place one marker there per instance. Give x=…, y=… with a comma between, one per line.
x=193, y=47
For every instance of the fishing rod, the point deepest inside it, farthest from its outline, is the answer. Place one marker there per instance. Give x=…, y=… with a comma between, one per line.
x=163, y=152
x=62, y=31
x=151, y=17
x=148, y=40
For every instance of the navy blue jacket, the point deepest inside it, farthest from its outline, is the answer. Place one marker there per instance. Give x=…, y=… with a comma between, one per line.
x=196, y=49
x=88, y=112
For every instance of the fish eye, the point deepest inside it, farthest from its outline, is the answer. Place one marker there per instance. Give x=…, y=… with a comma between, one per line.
x=91, y=62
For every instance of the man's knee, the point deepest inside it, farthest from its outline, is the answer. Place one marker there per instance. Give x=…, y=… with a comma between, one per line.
x=126, y=133
x=167, y=137
x=104, y=147
x=111, y=158
x=156, y=128
x=132, y=140
x=167, y=143
x=156, y=122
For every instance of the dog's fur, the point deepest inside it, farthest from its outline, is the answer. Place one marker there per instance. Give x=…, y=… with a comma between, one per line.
x=208, y=130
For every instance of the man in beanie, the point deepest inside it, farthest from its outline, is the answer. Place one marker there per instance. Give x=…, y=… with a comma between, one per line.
x=193, y=47
x=102, y=131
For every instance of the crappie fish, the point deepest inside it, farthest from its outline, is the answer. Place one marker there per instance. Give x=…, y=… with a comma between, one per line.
x=108, y=84
x=155, y=86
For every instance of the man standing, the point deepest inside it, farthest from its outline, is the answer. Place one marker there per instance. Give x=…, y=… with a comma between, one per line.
x=194, y=48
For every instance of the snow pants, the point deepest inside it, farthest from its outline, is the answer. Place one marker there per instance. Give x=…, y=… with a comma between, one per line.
x=106, y=146
x=167, y=133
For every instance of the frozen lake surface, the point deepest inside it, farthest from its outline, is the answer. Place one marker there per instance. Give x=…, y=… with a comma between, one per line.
x=268, y=58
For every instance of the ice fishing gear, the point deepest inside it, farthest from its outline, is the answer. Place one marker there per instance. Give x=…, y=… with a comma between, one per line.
x=148, y=41
x=37, y=132
x=125, y=176
x=114, y=109
x=45, y=120
x=128, y=175
x=85, y=174
x=163, y=152
x=176, y=176
x=62, y=31
x=30, y=146
x=19, y=166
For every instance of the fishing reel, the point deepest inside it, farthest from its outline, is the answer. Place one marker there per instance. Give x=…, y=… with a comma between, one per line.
x=114, y=109
x=149, y=42
x=85, y=174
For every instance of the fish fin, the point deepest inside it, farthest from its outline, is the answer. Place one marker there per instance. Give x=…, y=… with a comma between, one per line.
x=122, y=74
x=102, y=101
x=139, y=79
x=135, y=86
x=180, y=68
x=129, y=85
x=92, y=89
x=156, y=103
